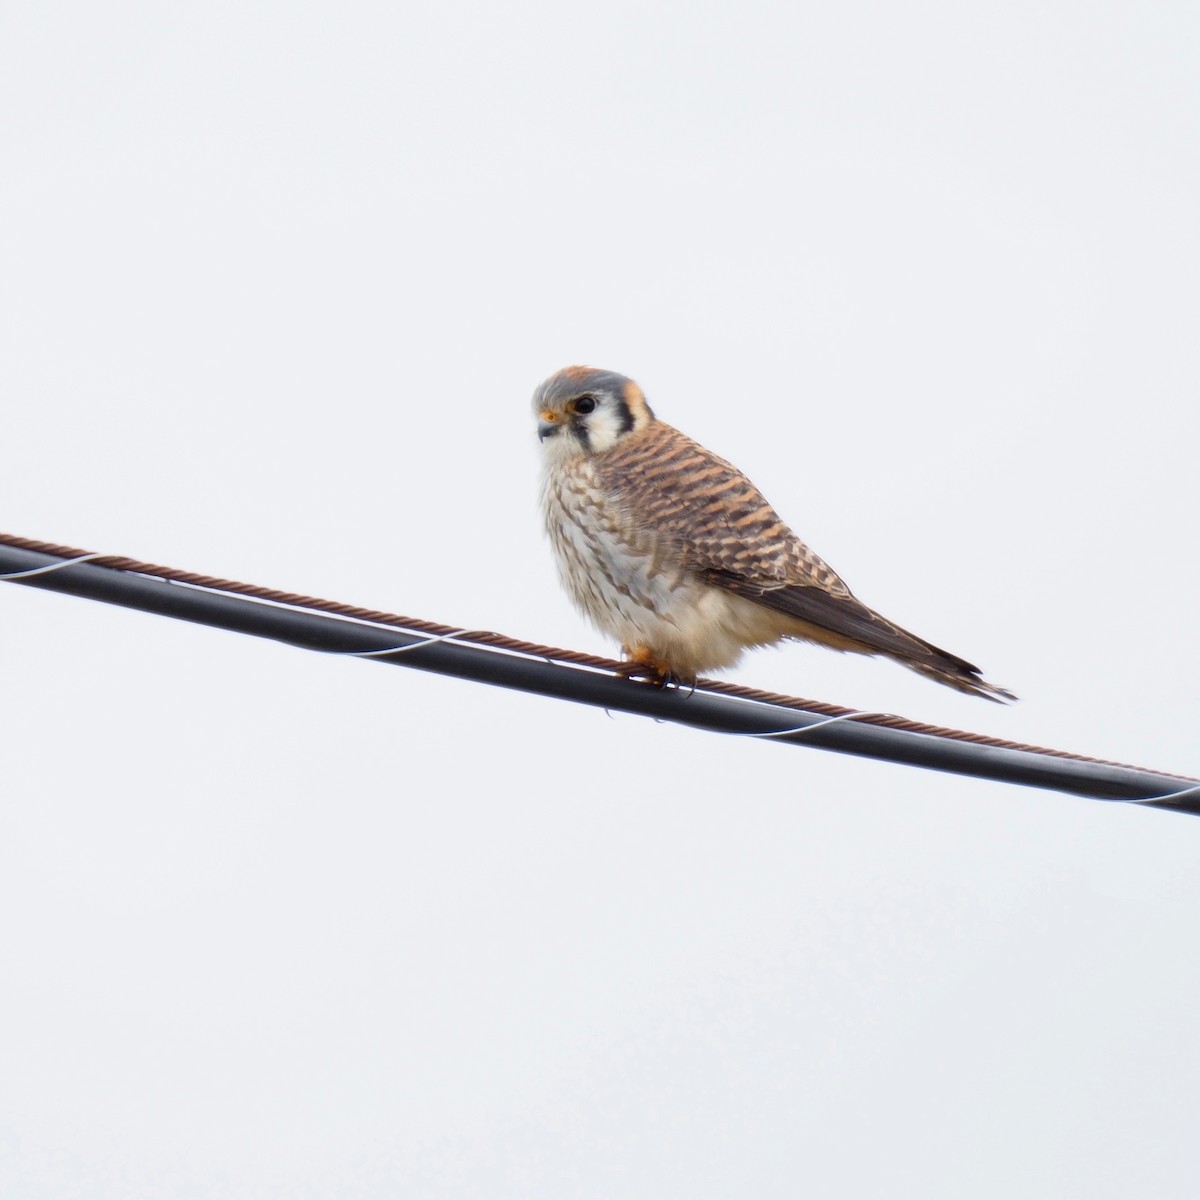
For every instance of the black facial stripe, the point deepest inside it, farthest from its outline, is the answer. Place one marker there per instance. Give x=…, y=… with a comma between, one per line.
x=581, y=432
x=624, y=416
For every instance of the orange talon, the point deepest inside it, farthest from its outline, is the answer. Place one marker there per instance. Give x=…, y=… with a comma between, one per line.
x=641, y=663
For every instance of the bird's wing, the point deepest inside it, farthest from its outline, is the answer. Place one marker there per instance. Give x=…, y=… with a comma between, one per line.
x=710, y=513
x=720, y=526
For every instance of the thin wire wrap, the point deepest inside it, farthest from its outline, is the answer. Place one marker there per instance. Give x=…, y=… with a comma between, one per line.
x=13, y=576
x=590, y=680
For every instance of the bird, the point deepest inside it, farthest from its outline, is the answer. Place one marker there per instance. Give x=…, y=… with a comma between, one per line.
x=673, y=552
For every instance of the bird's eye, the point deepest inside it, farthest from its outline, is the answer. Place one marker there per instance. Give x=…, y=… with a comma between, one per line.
x=585, y=404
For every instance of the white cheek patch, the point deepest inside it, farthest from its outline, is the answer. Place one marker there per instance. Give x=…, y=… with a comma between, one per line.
x=604, y=428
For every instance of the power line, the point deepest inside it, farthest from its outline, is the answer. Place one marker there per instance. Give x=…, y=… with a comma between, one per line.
x=314, y=624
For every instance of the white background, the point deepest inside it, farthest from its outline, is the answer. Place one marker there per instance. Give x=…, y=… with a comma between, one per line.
x=276, y=284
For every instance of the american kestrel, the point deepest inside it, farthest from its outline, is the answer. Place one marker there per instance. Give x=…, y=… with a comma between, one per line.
x=676, y=554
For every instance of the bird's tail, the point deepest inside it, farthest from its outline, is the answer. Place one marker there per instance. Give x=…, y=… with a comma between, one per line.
x=961, y=676
x=937, y=664
x=840, y=620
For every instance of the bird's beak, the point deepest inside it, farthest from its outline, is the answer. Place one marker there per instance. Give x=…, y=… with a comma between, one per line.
x=547, y=425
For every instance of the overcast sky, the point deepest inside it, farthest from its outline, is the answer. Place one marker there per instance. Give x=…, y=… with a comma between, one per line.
x=276, y=284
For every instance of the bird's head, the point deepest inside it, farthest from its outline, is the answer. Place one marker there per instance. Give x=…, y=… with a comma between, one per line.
x=582, y=410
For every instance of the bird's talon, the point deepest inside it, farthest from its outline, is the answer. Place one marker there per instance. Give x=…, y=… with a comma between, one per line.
x=650, y=673
x=641, y=666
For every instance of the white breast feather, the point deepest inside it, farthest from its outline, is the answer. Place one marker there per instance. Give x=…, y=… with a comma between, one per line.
x=627, y=582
